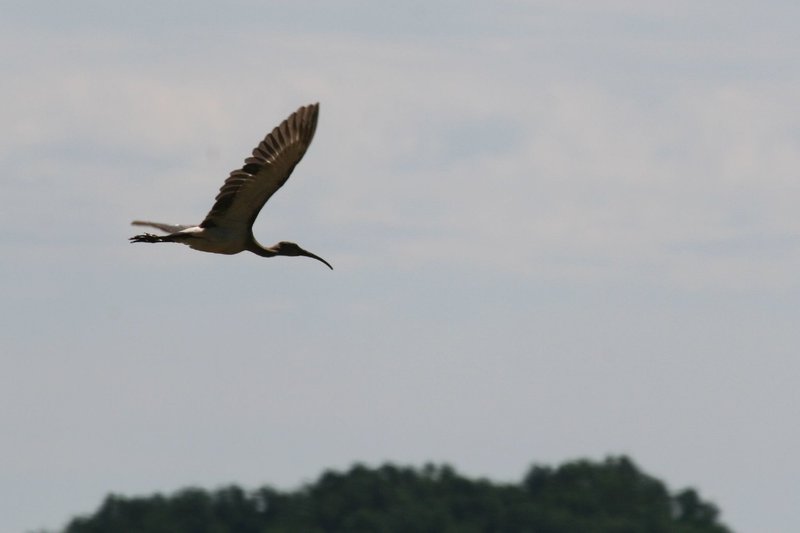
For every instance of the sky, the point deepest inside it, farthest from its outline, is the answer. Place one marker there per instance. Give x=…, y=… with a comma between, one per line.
x=559, y=229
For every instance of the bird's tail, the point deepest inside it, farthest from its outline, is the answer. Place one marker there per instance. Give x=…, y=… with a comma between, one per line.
x=169, y=228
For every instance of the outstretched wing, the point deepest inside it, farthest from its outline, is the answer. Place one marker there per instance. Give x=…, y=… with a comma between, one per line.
x=247, y=189
x=169, y=228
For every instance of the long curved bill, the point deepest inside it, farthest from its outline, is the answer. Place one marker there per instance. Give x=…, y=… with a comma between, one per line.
x=306, y=253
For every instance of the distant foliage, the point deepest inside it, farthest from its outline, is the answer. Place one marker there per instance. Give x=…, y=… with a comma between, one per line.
x=612, y=496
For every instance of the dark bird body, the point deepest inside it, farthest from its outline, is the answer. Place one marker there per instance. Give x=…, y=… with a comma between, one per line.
x=228, y=227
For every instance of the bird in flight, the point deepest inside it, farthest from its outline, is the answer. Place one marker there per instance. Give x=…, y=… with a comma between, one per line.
x=228, y=227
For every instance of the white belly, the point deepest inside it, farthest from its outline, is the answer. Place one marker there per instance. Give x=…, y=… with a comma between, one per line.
x=214, y=240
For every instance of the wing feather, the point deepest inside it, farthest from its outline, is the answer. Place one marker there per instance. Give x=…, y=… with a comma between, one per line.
x=247, y=189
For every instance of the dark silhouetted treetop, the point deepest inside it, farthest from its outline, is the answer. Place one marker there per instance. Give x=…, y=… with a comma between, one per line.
x=612, y=496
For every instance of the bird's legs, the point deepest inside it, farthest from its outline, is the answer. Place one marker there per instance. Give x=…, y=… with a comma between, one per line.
x=149, y=237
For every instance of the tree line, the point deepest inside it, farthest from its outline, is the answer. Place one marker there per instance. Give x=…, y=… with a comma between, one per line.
x=610, y=496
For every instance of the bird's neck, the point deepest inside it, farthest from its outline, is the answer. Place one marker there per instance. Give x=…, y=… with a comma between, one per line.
x=257, y=249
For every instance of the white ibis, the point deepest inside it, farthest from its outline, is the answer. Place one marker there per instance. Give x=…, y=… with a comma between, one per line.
x=228, y=227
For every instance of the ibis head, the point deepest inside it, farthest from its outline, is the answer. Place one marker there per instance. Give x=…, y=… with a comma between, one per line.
x=293, y=250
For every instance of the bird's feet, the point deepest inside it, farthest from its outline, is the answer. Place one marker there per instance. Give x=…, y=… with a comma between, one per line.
x=145, y=237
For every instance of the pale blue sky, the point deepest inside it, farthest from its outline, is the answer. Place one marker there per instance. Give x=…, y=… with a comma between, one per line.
x=560, y=229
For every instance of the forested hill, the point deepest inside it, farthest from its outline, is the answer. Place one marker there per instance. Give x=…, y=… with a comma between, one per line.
x=612, y=496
